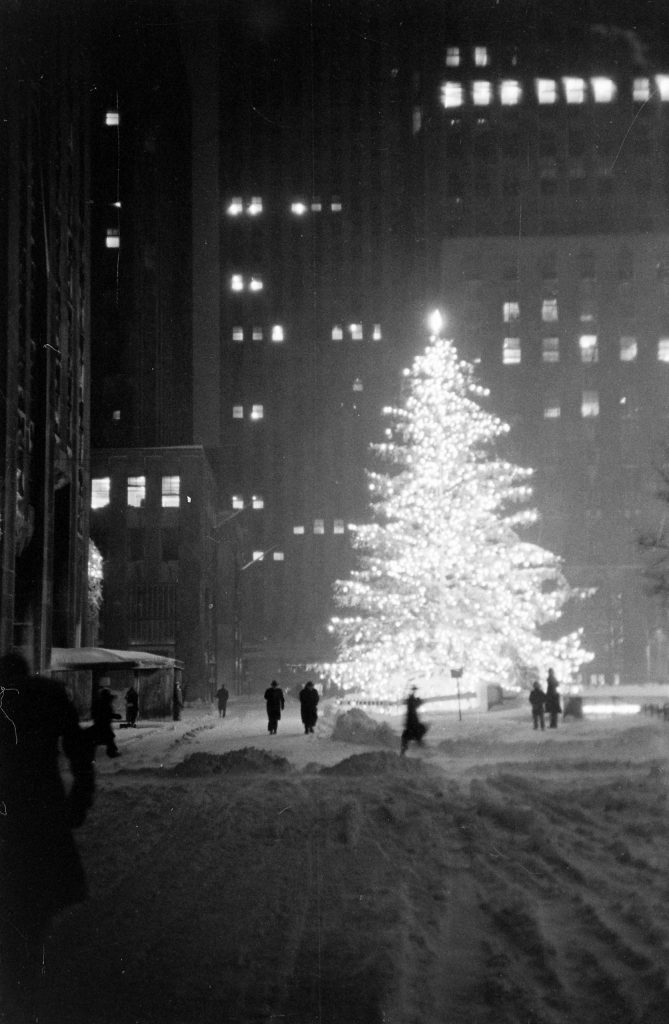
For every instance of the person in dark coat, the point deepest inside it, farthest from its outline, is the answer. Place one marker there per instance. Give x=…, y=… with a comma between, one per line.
x=553, y=705
x=275, y=704
x=40, y=869
x=131, y=706
x=538, y=703
x=414, y=729
x=308, y=704
x=103, y=716
x=222, y=700
x=177, y=702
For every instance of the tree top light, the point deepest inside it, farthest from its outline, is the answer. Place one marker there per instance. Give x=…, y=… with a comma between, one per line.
x=435, y=322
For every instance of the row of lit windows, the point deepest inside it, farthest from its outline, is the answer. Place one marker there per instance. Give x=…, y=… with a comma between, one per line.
x=258, y=333
x=170, y=491
x=238, y=206
x=256, y=412
x=571, y=89
x=276, y=333
x=480, y=56
x=588, y=347
x=241, y=283
x=338, y=527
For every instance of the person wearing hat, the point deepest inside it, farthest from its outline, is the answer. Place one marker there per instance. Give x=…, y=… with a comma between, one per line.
x=414, y=729
x=308, y=703
x=275, y=702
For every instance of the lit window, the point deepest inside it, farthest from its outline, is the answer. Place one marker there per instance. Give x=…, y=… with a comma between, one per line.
x=546, y=90
x=663, y=350
x=662, y=83
x=238, y=412
x=278, y=556
x=116, y=415
x=316, y=205
x=237, y=333
x=550, y=350
x=335, y=205
x=255, y=206
x=258, y=556
x=319, y=526
x=552, y=410
x=136, y=491
x=511, y=351
x=603, y=89
x=337, y=334
x=641, y=90
x=481, y=59
x=113, y=239
x=574, y=90
x=588, y=346
x=237, y=501
x=590, y=404
x=100, y=491
x=628, y=349
x=356, y=332
x=510, y=93
x=453, y=57
x=257, y=412
x=236, y=206
x=549, y=310
x=277, y=332
x=416, y=120
x=112, y=118
x=511, y=312
x=169, y=492
x=376, y=332
x=237, y=283
x=257, y=501
x=255, y=284
x=298, y=531
x=482, y=93
x=256, y=334
x=452, y=94
x=357, y=384
x=338, y=526
x=299, y=208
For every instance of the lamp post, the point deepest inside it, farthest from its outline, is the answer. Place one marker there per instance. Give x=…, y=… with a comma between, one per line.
x=456, y=673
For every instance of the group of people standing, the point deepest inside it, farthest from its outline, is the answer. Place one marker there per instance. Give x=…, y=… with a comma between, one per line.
x=545, y=702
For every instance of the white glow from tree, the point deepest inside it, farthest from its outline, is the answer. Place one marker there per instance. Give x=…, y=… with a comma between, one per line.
x=444, y=577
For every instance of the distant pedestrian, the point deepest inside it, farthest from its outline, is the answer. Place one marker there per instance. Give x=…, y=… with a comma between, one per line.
x=40, y=868
x=177, y=701
x=553, y=705
x=222, y=700
x=103, y=716
x=308, y=704
x=414, y=729
x=275, y=704
x=131, y=706
x=538, y=703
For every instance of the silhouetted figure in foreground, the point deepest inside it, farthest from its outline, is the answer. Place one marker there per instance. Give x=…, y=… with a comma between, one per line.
x=553, y=705
x=222, y=700
x=275, y=704
x=131, y=706
x=414, y=729
x=308, y=704
x=40, y=869
x=103, y=716
x=537, y=700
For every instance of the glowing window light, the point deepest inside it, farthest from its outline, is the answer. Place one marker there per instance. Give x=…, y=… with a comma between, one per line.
x=338, y=526
x=482, y=93
x=335, y=205
x=113, y=239
x=604, y=90
x=416, y=120
x=112, y=118
x=663, y=350
x=337, y=333
x=662, y=83
x=235, y=207
x=511, y=312
x=100, y=491
x=357, y=384
x=255, y=206
x=316, y=205
x=356, y=332
x=257, y=412
x=546, y=90
x=574, y=89
x=376, y=332
x=237, y=283
x=549, y=311
x=481, y=56
x=238, y=412
x=550, y=350
x=255, y=284
x=641, y=90
x=588, y=346
x=277, y=333
x=590, y=404
x=237, y=333
x=452, y=94
x=298, y=208
x=170, y=489
x=136, y=491
x=237, y=501
x=628, y=349
x=319, y=526
x=552, y=410
x=278, y=556
x=298, y=531
x=453, y=57
x=258, y=556
x=257, y=501
x=257, y=334
x=511, y=352
x=510, y=92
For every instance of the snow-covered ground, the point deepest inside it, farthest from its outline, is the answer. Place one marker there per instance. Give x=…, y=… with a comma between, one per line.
x=496, y=875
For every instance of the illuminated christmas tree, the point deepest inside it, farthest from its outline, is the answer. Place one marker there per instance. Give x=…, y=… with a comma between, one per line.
x=444, y=578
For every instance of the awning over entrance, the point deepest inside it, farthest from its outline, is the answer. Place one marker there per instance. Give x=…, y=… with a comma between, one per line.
x=64, y=659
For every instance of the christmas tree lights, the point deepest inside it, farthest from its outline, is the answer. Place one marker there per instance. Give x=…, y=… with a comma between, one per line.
x=444, y=578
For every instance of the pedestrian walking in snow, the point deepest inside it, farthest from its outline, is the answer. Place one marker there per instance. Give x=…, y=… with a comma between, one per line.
x=40, y=868
x=538, y=704
x=553, y=705
x=177, y=701
x=275, y=702
x=103, y=716
x=414, y=729
x=308, y=704
x=222, y=700
x=131, y=706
